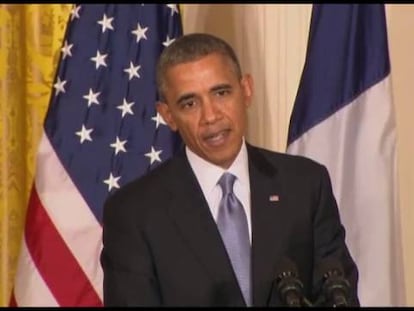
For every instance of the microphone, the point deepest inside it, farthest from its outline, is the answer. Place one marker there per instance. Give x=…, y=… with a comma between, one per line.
x=335, y=287
x=288, y=285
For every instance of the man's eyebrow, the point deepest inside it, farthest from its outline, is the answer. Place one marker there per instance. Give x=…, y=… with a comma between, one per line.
x=185, y=97
x=219, y=87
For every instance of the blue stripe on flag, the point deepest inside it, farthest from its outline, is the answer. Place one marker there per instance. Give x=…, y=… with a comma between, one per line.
x=345, y=56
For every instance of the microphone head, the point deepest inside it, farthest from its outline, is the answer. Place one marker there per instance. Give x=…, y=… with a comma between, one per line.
x=335, y=287
x=288, y=285
x=286, y=268
x=330, y=266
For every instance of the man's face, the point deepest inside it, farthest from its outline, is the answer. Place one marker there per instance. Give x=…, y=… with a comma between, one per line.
x=207, y=103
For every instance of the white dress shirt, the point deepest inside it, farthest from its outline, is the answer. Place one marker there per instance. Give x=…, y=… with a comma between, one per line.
x=208, y=175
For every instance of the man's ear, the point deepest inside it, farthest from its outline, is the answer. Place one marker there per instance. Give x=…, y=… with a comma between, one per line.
x=247, y=85
x=164, y=110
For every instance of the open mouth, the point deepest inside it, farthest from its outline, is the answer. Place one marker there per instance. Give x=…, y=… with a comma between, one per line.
x=217, y=138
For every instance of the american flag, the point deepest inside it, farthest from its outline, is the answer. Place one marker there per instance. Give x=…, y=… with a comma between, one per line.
x=101, y=131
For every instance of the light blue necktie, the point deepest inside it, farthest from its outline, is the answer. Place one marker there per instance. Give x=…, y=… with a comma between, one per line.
x=232, y=224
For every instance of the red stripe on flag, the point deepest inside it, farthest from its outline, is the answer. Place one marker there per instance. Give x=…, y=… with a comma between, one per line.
x=12, y=300
x=54, y=260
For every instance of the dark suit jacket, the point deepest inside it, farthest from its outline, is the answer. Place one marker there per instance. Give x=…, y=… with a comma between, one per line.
x=162, y=246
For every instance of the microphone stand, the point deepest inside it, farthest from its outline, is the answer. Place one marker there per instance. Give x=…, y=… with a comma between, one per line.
x=306, y=302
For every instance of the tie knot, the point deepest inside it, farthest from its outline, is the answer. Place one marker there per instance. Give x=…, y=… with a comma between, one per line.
x=226, y=183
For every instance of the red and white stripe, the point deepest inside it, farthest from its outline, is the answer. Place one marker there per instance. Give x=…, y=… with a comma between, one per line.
x=59, y=260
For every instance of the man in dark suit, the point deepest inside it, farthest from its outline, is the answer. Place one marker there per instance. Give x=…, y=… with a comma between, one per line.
x=162, y=239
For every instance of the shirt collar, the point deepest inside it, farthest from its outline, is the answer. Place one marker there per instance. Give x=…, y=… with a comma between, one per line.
x=208, y=174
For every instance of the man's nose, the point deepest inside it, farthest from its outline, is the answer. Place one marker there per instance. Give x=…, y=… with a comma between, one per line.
x=210, y=111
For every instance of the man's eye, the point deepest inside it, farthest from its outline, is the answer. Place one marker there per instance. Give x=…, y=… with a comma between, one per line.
x=186, y=104
x=223, y=92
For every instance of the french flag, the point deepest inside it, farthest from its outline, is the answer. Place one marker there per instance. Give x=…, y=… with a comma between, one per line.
x=343, y=117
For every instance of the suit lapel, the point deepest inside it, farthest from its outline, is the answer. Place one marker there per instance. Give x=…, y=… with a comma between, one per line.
x=191, y=214
x=267, y=224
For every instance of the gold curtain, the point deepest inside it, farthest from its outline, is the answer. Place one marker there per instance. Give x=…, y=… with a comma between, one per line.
x=30, y=39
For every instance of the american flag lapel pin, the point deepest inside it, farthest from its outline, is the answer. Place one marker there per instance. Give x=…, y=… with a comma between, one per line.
x=274, y=198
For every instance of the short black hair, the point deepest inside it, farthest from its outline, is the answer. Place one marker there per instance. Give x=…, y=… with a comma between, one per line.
x=191, y=47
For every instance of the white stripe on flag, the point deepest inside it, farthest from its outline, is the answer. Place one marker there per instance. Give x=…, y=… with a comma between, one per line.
x=70, y=213
x=357, y=144
x=30, y=289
